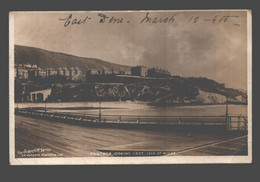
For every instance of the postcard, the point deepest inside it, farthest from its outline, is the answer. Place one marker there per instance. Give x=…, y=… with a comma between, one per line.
x=130, y=87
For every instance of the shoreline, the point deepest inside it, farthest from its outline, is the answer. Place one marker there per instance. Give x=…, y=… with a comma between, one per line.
x=137, y=102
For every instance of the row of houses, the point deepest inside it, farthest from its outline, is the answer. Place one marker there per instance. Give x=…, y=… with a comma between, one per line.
x=139, y=70
x=72, y=73
x=108, y=71
x=27, y=71
x=31, y=72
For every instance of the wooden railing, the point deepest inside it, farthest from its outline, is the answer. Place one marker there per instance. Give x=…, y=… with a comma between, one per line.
x=230, y=122
x=236, y=123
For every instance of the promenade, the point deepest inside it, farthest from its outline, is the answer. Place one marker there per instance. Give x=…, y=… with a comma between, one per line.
x=54, y=139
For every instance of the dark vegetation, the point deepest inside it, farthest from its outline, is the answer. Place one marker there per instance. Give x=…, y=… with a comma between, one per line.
x=176, y=91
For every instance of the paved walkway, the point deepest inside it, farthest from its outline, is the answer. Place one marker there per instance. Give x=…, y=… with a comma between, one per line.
x=54, y=139
x=234, y=146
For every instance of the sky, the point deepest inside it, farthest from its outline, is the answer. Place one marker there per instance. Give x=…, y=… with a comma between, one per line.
x=191, y=45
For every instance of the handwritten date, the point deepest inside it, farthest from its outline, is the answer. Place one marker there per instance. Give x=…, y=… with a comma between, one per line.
x=146, y=19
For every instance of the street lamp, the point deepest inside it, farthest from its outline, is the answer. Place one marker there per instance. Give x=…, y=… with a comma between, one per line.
x=226, y=107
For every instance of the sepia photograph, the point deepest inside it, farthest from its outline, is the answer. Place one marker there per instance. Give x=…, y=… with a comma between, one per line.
x=130, y=87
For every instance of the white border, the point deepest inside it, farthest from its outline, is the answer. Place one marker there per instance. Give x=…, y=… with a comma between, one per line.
x=249, y=81
x=127, y=160
x=11, y=91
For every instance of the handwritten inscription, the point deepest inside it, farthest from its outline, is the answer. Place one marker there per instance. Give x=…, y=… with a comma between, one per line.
x=104, y=18
x=146, y=19
x=215, y=19
x=74, y=21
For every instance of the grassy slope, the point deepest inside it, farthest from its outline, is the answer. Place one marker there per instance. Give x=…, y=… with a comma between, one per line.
x=46, y=59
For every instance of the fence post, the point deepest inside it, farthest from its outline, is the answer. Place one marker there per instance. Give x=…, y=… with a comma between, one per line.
x=245, y=123
x=230, y=125
x=227, y=118
x=227, y=123
x=180, y=120
x=99, y=113
x=238, y=122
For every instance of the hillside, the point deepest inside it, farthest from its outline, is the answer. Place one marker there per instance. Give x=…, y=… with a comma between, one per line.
x=47, y=59
x=176, y=90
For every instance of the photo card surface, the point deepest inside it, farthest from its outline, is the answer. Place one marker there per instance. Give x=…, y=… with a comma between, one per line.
x=130, y=87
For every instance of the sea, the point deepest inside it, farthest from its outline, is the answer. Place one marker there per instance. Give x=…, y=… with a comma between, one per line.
x=138, y=108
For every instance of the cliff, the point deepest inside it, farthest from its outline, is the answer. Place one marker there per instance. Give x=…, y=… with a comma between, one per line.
x=174, y=92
